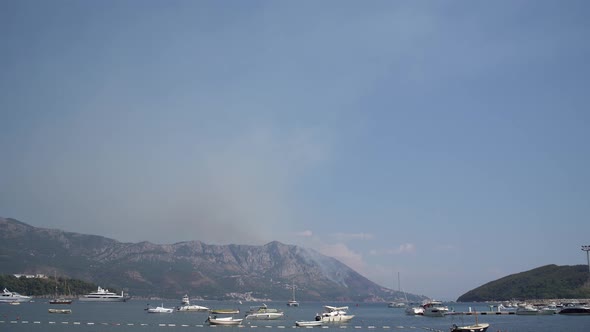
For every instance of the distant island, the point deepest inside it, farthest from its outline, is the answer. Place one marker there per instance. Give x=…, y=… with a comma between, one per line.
x=546, y=282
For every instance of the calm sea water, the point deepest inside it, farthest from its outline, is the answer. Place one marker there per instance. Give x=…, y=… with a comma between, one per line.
x=131, y=316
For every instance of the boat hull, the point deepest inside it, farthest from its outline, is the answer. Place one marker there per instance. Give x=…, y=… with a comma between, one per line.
x=224, y=321
x=225, y=311
x=336, y=318
x=471, y=328
x=102, y=299
x=192, y=308
x=308, y=323
x=265, y=316
x=575, y=311
x=59, y=311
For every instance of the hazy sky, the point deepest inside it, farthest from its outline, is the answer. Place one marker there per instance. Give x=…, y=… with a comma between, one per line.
x=448, y=141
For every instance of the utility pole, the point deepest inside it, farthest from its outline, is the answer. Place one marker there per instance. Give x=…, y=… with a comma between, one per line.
x=587, y=250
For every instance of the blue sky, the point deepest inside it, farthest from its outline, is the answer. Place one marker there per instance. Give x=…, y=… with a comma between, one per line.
x=447, y=141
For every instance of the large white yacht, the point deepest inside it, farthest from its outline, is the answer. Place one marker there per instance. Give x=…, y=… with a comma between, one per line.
x=8, y=296
x=103, y=295
x=187, y=306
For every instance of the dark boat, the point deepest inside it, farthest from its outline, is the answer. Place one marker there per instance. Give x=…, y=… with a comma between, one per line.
x=575, y=310
x=60, y=301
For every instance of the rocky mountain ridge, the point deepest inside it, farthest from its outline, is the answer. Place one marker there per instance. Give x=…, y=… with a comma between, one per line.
x=171, y=270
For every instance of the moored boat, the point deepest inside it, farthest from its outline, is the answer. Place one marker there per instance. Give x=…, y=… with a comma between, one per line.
x=576, y=310
x=334, y=314
x=482, y=327
x=214, y=320
x=292, y=302
x=477, y=327
x=60, y=300
x=187, y=306
x=527, y=310
x=224, y=311
x=434, y=309
x=263, y=312
x=103, y=295
x=160, y=310
x=414, y=311
x=13, y=297
x=308, y=323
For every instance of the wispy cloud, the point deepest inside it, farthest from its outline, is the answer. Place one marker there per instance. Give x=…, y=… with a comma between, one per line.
x=306, y=233
x=352, y=236
x=406, y=248
x=342, y=253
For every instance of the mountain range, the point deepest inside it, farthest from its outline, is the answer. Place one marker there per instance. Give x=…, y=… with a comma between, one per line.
x=219, y=272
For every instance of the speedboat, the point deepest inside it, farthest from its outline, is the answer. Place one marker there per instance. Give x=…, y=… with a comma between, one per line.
x=308, y=323
x=414, y=311
x=334, y=314
x=160, y=310
x=13, y=297
x=263, y=312
x=224, y=320
x=187, y=306
x=224, y=311
x=396, y=305
x=103, y=295
x=434, y=309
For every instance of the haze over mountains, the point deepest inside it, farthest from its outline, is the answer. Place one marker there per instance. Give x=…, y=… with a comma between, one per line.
x=196, y=268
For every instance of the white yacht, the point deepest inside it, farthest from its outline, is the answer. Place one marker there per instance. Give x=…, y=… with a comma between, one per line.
x=527, y=309
x=263, y=312
x=103, y=295
x=334, y=314
x=412, y=311
x=10, y=297
x=159, y=310
x=187, y=306
x=434, y=309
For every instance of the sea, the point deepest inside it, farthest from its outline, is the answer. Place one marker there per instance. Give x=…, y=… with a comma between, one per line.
x=131, y=316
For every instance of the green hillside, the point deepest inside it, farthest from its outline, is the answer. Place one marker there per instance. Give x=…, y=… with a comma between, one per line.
x=45, y=287
x=546, y=282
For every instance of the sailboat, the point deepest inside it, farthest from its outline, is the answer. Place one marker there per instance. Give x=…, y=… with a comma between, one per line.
x=478, y=327
x=59, y=299
x=399, y=304
x=292, y=302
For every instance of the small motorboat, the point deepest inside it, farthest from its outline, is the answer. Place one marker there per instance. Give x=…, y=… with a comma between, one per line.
x=263, y=312
x=160, y=310
x=334, y=314
x=59, y=311
x=214, y=320
x=308, y=323
x=482, y=327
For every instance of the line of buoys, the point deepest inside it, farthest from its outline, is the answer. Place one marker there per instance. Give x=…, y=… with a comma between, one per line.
x=356, y=327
